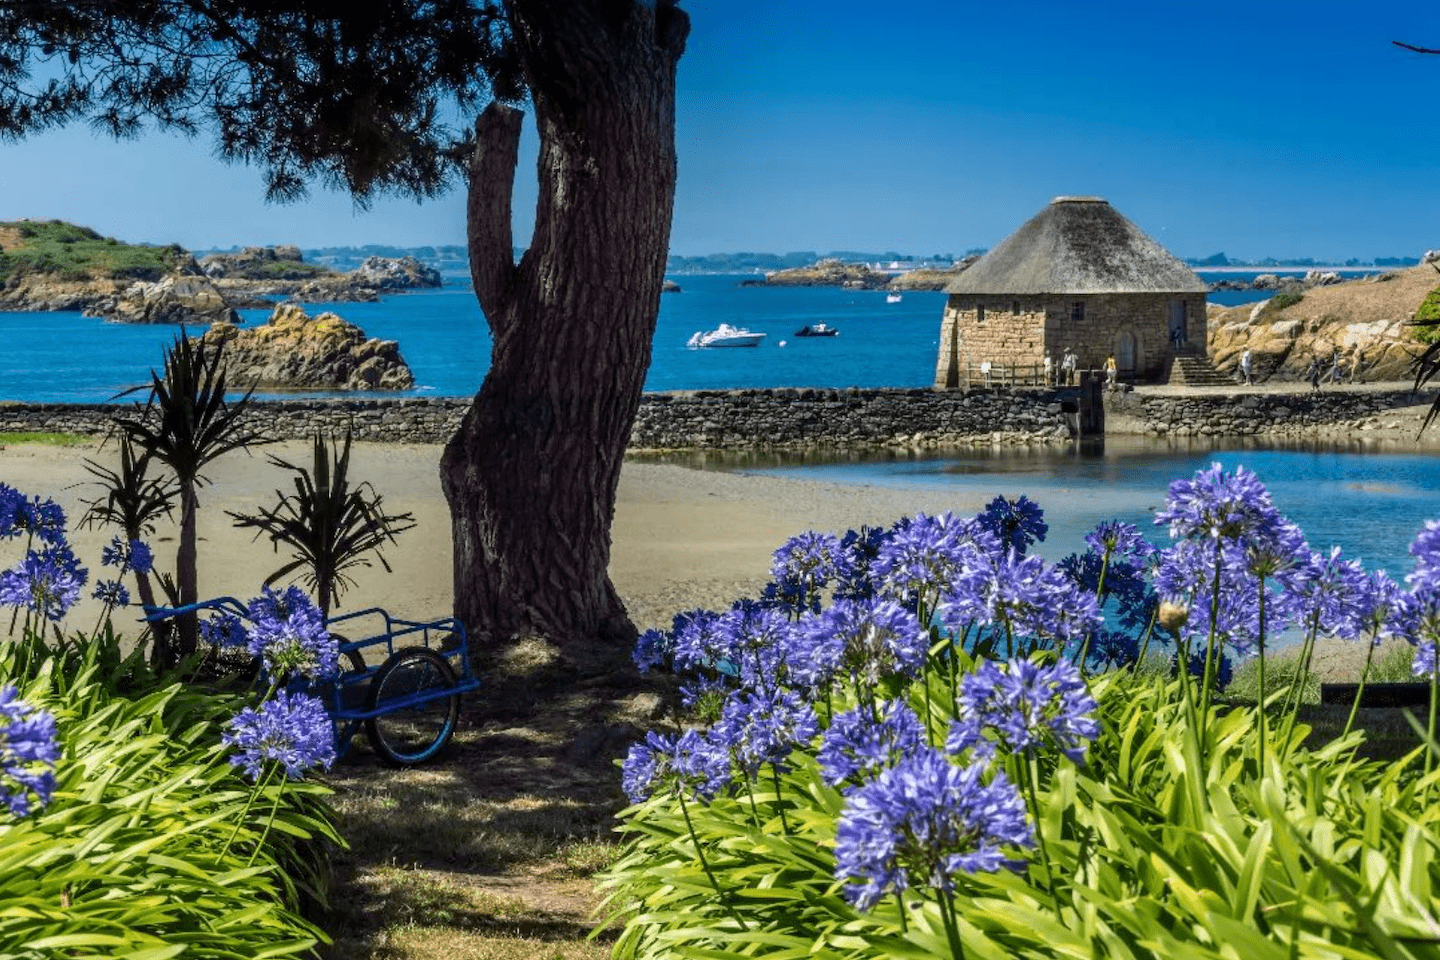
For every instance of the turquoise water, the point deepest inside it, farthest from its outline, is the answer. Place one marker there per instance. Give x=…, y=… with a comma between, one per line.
x=1370, y=505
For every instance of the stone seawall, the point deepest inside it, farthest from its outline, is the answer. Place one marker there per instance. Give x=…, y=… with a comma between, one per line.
x=1276, y=415
x=700, y=420
x=802, y=418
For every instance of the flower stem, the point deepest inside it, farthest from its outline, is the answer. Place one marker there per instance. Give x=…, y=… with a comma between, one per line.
x=784, y=824
x=952, y=925
x=705, y=864
x=1031, y=771
x=240, y=821
x=1360, y=689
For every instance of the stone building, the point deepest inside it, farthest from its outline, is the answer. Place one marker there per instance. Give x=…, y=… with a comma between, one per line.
x=1076, y=276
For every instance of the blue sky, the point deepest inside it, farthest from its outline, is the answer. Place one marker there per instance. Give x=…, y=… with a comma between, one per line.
x=1260, y=129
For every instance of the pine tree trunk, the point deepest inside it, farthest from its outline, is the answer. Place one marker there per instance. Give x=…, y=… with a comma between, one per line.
x=532, y=472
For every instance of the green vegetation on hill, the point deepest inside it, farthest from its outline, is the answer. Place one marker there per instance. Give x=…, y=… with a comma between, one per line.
x=1427, y=318
x=78, y=253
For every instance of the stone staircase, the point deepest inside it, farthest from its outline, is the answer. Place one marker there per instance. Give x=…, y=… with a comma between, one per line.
x=1192, y=369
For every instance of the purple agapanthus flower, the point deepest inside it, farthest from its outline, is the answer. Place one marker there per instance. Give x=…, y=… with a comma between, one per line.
x=921, y=823
x=864, y=640
x=1023, y=706
x=1218, y=505
x=28, y=750
x=21, y=515
x=112, y=593
x=757, y=642
x=1025, y=595
x=1119, y=540
x=653, y=650
x=924, y=555
x=861, y=742
x=805, y=564
x=224, y=630
x=697, y=642
x=764, y=728
x=1328, y=594
x=860, y=548
x=1425, y=548
x=128, y=555
x=690, y=765
x=1423, y=665
x=1389, y=611
x=291, y=729
x=47, y=582
x=1224, y=670
x=1017, y=523
x=287, y=632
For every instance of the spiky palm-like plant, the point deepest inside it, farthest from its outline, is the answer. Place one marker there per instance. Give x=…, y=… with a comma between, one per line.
x=185, y=424
x=133, y=500
x=329, y=525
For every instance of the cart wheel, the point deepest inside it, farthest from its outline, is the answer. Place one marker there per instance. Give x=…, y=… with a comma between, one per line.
x=357, y=662
x=412, y=734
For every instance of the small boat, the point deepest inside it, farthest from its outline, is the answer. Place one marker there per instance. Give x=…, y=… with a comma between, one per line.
x=726, y=336
x=817, y=330
x=893, y=298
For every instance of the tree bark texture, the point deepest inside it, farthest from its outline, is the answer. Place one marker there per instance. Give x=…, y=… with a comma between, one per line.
x=531, y=474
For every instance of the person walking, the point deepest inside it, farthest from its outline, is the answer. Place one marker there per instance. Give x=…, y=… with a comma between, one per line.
x=1313, y=374
x=1245, y=363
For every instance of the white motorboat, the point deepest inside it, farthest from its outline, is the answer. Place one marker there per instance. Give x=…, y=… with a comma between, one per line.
x=893, y=298
x=726, y=336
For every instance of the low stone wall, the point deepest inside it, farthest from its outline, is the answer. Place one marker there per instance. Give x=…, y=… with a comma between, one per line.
x=1279, y=415
x=700, y=420
x=851, y=418
x=845, y=418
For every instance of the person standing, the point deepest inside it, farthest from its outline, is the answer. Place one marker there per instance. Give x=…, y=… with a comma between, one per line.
x=1112, y=372
x=1067, y=367
x=1313, y=374
x=1049, y=371
x=1245, y=363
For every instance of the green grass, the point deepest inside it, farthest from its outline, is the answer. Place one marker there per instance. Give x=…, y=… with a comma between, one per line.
x=45, y=439
x=71, y=252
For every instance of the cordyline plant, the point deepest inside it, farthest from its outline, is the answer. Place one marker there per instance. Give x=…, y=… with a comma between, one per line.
x=185, y=424
x=330, y=525
x=133, y=500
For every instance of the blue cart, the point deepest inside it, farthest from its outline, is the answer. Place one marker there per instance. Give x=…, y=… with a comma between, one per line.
x=401, y=679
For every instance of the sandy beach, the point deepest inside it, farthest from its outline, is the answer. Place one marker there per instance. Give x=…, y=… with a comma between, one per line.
x=682, y=538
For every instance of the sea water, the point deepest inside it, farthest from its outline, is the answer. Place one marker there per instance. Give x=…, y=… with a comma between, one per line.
x=1370, y=504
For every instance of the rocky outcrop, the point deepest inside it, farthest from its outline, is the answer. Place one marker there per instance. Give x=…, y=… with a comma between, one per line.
x=395, y=273
x=176, y=299
x=927, y=279
x=670, y=286
x=826, y=273
x=260, y=272
x=294, y=351
x=1362, y=324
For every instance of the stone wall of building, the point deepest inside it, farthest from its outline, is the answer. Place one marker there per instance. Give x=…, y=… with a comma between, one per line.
x=1014, y=333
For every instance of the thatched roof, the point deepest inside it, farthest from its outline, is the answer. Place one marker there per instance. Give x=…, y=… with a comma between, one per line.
x=1077, y=245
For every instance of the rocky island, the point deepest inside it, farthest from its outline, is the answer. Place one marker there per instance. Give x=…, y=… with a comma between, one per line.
x=1366, y=325
x=294, y=351
x=53, y=265
x=857, y=276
